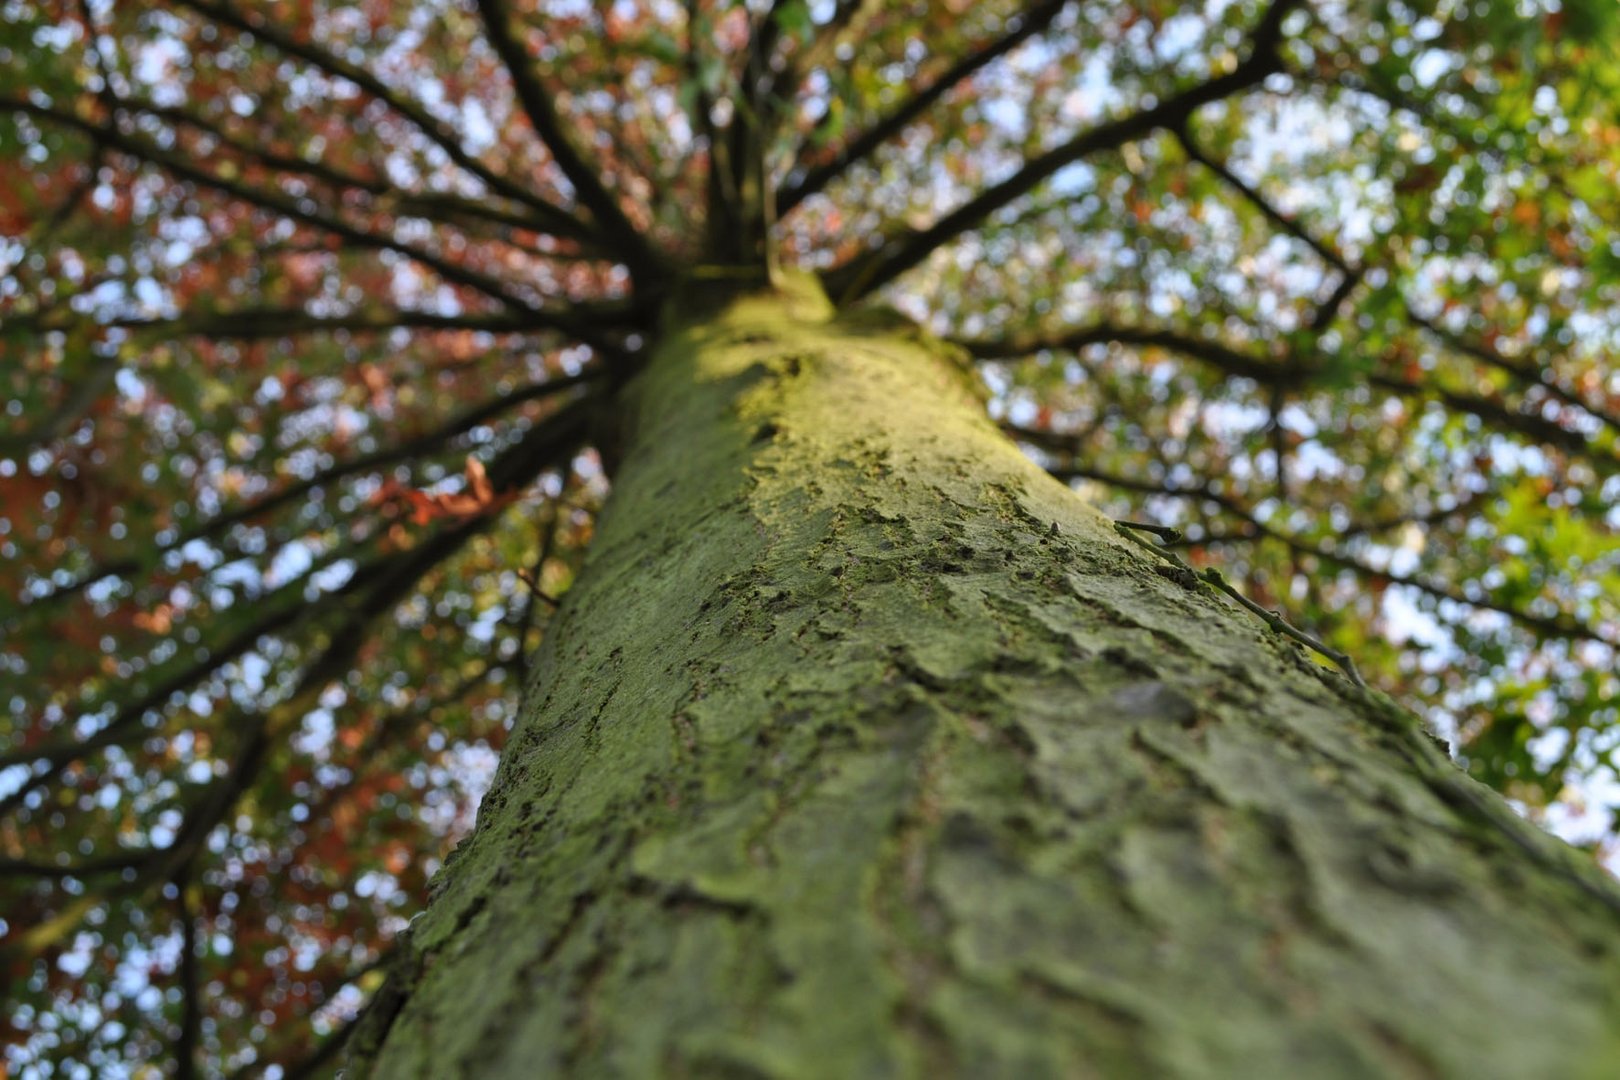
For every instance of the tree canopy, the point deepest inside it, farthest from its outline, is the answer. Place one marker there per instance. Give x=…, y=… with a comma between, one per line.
x=309, y=314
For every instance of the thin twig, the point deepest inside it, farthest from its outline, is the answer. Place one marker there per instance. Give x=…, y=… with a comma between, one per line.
x=1165, y=533
x=1283, y=626
x=1182, y=572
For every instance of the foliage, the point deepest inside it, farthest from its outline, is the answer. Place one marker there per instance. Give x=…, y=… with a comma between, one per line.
x=311, y=313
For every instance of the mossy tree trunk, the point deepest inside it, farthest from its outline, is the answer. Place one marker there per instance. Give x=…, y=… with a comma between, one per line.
x=862, y=748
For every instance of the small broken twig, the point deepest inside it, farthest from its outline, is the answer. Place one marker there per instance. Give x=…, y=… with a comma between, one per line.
x=1165, y=533
x=1184, y=574
x=1178, y=571
x=1275, y=620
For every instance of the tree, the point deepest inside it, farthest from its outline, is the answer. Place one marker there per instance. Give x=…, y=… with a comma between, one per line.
x=856, y=744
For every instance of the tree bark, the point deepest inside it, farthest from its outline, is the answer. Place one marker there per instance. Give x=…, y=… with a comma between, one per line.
x=863, y=748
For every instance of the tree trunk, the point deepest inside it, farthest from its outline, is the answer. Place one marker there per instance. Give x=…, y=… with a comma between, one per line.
x=862, y=748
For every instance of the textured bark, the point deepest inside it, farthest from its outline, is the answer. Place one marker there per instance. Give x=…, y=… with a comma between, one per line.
x=864, y=748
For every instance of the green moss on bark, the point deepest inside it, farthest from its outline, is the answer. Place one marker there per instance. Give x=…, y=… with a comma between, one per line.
x=863, y=748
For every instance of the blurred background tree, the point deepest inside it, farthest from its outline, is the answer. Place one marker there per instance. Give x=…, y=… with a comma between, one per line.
x=306, y=308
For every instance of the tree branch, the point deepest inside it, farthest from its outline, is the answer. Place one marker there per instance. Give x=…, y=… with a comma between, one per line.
x=442, y=207
x=301, y=210
x=80, y=397
x=1267, y=372
x=392, y=724
x=1252, y=195
x=428, y=443
x=813, y=179
x=1535, y=375
x=536, y=102
x=251, y=324
x=190, y=1034
x=55, y=756
x=847, y=17
x=861, y=276
x=1560, y=626
x=85, y=868
x=559, y=221
x=1288, y=372
x=396, y=576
